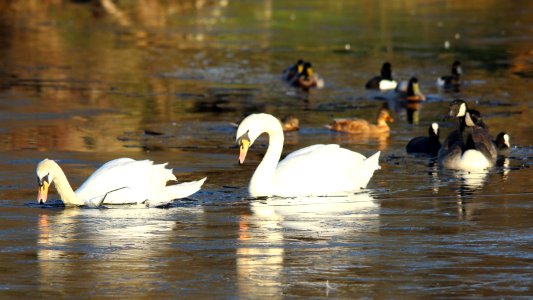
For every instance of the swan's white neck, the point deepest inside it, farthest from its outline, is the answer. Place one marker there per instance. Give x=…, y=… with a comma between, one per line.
x=67, y=195
x=261, y=183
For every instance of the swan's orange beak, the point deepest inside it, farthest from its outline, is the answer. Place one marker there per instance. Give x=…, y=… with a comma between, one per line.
x=244, y=145
x=389, y=119
x=43, y=192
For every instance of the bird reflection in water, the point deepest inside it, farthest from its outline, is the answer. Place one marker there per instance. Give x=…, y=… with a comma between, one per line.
x=469, y=182
x=263, y=235
x=114, y=245
x=57, y=262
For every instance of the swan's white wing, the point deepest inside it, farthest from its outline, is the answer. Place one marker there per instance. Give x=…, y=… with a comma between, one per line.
x=323, y=170
x=176, y=191
x=306, y=150
x=125, y=180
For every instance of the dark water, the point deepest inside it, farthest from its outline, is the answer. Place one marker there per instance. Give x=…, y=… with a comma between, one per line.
x=81, y=83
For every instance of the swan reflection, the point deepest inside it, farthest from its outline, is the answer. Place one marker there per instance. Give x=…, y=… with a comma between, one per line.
x=262, y=234
x=120, y=247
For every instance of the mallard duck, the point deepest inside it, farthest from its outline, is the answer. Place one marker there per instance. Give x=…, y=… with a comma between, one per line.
x=453, y=80
x=291, y=72
x=307, y=78
x=361, y=126
x=413, y=92
x=384, y=81
x=426, y=144
x=317, y=170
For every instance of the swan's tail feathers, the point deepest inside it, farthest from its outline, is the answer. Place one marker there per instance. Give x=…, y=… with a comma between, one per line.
x=372, y=162
x=185, y=189
x=366, y=172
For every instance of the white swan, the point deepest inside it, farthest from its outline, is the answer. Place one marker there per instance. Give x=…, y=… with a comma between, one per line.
x=119, y=181
x=315, y=170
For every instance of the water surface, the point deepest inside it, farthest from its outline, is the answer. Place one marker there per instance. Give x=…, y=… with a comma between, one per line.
x=83, y=85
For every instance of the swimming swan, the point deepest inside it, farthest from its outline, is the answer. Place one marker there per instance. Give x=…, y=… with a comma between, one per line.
x=315, y=170
x=119, y=181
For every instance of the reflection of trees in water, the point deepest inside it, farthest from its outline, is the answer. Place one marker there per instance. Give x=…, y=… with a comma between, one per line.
x=75, y=65
x=45, y=63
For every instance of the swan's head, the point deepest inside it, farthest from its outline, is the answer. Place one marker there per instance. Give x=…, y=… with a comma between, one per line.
x=252, y=127
x=45, y=176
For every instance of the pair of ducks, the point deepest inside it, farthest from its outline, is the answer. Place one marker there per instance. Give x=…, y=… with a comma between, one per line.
x=348, y=125
x=384, y=81
x=469, y=147
x=301, y=75
x=317, y=170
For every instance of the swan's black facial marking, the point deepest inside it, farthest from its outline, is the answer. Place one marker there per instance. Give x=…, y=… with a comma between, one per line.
x=244, y=140
x=41, y=182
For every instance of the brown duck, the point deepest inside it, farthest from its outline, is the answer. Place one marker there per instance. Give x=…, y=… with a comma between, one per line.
x=361, y=126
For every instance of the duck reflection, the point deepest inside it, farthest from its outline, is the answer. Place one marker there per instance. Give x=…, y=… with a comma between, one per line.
x=382, y=140
x=263, y=234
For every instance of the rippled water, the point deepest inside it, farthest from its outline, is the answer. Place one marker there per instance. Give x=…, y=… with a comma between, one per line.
x=83, y=84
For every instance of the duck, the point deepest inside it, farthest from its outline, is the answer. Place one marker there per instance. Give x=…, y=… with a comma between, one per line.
x=429, y=145
x=293, y=71
x=316, y=170
x=290, y=123
x=384, y=81
x=470, y=147
x=409, y=90
x=119, y=181
x=503, y=144
x=307, y=78
x=361, y=126
x=412, y=92
x=453, y=80
x=413, y=98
